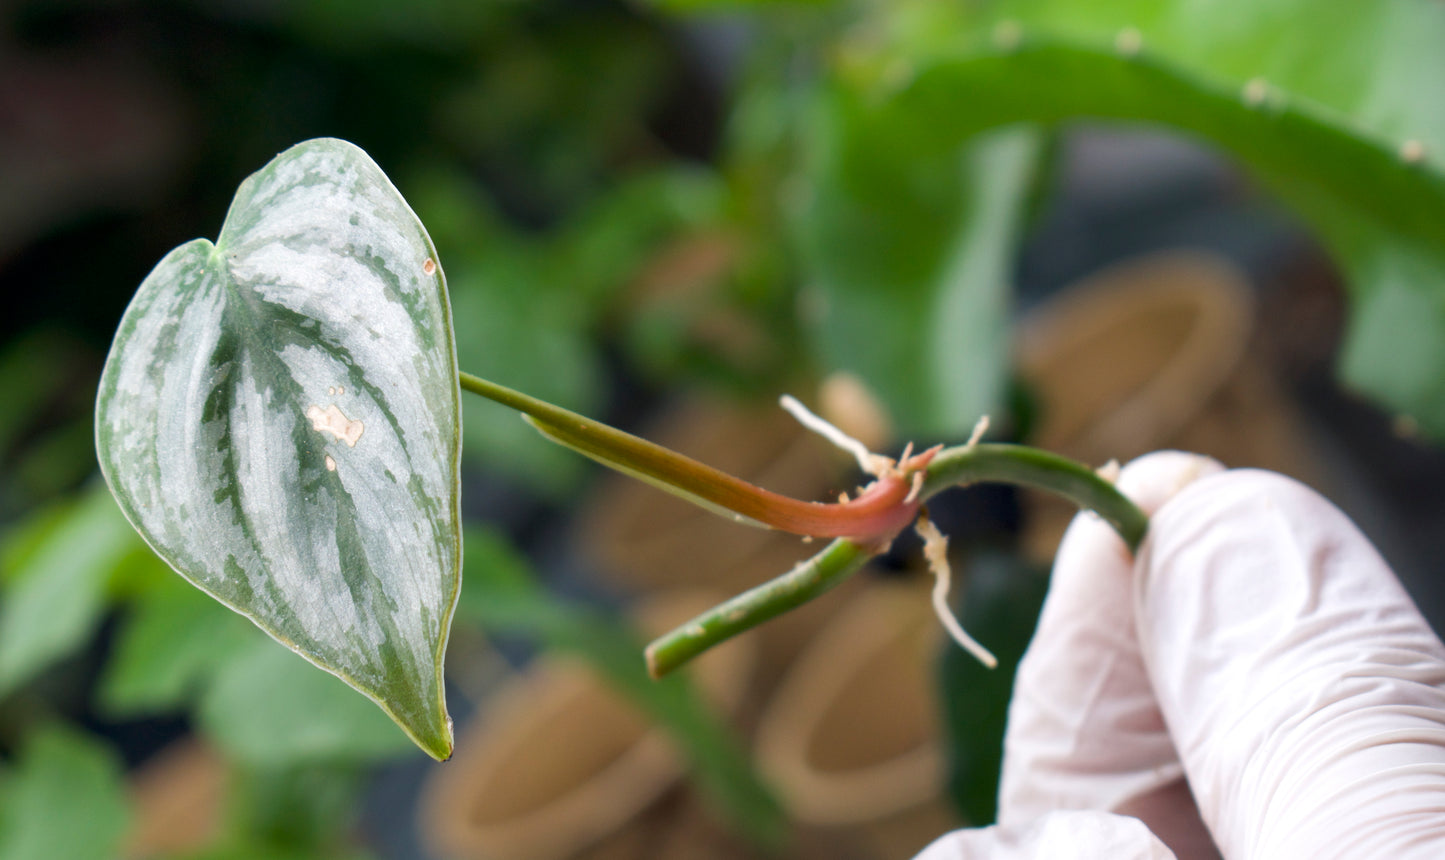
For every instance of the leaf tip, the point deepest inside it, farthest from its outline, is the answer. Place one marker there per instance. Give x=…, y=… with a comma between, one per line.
x=437, y=742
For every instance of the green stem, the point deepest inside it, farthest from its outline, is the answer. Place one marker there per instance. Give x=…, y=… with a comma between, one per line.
x=524, y=403
x=1041, y=470
x=865, y=525
x=808, y=580
x=875, y=515
x=961, y=466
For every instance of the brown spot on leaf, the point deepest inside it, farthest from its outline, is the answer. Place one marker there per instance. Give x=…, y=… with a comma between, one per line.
x=332, y=420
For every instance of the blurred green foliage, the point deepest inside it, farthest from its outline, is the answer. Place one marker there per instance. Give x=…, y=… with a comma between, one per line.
x=530, y=309
x=318, y=719
x=175, y=639
x=742, y=195
x=1000, y=605
x=64, y=798
x=59, y=582
x=1332, y=113
x=507, y=599
x=912, y=255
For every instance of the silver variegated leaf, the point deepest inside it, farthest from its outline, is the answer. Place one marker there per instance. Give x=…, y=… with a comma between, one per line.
x=279, y=419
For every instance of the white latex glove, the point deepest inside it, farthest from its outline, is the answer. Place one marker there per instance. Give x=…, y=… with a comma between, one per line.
x=1258, y=647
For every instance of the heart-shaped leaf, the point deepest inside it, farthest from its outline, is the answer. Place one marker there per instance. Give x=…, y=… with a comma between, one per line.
x=278, y=418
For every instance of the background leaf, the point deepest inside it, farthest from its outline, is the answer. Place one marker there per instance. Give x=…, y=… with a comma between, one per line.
x=46, y=389
x=268, y=707
x=1331, y=113
x=306, y=811
x=57, y=589
x=531, y=306
x=1000, y=607
x=504, y=598
x=279, y=418
x=174, y=639
x=65, y=798
x=912, y=252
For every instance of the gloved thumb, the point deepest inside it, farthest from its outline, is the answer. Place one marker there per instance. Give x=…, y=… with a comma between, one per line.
x=1304, y=691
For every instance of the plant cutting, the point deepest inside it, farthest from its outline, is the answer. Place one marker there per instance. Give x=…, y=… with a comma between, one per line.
x=863, y=184
x=279, y=420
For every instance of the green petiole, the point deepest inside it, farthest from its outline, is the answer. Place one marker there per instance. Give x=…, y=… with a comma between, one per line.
x=863, y=527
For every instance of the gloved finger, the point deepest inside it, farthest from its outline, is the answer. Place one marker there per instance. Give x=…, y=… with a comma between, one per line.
x=1084, y=731
x=1068, y=835
x=1304, y=691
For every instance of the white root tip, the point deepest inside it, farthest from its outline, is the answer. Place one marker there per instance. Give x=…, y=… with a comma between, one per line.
x=872, y=464
x=979, y=430
x=916, y=490
x=1110, y=471
x=935, y=550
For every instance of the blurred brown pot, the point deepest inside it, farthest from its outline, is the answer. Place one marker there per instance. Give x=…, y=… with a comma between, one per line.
x=643, y=538
x=851, y=737
x=1150, y=354
x=559, y=765
x=177, y=797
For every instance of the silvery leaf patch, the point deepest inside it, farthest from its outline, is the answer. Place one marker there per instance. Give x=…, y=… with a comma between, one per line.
x=279, y=419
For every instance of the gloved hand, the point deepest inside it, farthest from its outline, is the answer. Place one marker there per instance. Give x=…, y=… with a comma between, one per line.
x=1259, y=648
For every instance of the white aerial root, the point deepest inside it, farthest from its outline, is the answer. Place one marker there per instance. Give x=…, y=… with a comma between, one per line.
x=916, y=490
x=1109, y=471
x=935, y=544
x=935, y=550
x=978, y=430
x=870, y=463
